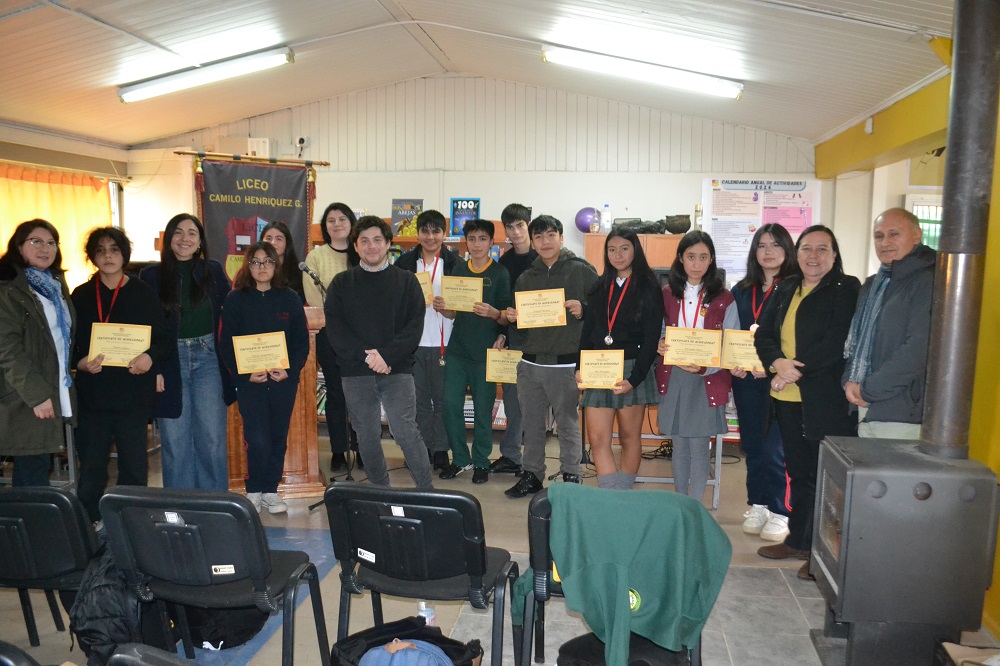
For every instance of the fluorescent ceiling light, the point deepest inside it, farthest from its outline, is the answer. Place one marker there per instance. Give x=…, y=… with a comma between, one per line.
x=210, y=73
x=643, y=71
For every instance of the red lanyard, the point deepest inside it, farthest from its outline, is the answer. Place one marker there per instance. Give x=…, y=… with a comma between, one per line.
x=100, y=308
x=433, y=273
x=613, y=317
x=696, y=310
x=753, y=300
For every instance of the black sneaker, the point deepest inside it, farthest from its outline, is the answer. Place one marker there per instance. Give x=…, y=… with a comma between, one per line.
x=504, y=465
x=338, y=461
x=451, y=471
x=528, y=484
x=439, y=460
x=480, y=475
x=571, y=478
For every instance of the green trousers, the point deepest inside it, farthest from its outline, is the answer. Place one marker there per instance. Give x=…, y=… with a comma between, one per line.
x=458, y=374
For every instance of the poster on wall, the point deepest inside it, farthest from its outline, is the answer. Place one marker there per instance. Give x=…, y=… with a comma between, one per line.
x=404, y=217
x=238, y=199
x=736, y=208
x=462, y=210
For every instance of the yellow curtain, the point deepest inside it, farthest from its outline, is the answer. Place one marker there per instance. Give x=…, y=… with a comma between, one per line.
x=74, y=203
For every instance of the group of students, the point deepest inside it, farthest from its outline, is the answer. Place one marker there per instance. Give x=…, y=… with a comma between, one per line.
x=185, y=379
x=386, y=342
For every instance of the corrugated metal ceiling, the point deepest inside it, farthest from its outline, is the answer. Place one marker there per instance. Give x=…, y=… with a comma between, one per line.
x=809, y=66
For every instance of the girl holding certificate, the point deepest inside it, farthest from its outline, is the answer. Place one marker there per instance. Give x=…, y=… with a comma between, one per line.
x=625, y=312
x=801, y=341
x=335, y=256
x=195, y=387
x=693, y=398
x=116, y=401
x=36, y=328
x=262, y=303
x=771, y=258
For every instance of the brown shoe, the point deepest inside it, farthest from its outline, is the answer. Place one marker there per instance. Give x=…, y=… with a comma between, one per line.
x=804, y=574
x=780, y=551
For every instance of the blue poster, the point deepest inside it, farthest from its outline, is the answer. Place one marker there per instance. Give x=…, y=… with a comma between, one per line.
x=462, y=210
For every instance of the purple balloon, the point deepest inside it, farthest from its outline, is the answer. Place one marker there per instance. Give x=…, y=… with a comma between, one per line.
x=585, y=217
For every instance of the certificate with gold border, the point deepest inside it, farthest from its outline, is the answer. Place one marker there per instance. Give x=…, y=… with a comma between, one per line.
x=263, y=351
x=693, y=346
x=541, y=308
x=738, y=351
x=424, y=278
x=601, y=368
x=461, y=293
x=501, y=365
x=120, y=343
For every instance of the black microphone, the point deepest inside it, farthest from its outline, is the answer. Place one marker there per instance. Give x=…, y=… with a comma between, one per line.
x=308, y=271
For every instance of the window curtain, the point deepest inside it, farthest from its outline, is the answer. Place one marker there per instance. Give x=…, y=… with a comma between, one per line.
x=74, y=203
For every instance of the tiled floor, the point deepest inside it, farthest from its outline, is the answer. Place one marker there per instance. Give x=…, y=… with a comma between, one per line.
x=763, y=614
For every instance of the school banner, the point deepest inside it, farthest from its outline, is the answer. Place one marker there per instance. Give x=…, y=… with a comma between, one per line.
x=238, y=199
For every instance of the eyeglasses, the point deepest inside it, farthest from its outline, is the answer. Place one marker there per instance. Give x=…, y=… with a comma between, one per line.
x=257, y=264
x=39, y=243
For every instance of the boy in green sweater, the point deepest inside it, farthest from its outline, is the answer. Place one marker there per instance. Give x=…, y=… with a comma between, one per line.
x=473, y=333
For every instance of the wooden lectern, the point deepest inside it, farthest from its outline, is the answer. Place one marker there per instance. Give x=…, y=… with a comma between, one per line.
x=302, y=476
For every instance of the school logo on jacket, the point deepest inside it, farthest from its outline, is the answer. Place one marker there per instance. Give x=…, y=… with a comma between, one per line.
x=634, y=600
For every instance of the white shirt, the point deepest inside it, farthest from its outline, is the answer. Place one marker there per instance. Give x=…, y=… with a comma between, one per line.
x=65, y=404
x=690, y=315
x=435, y=324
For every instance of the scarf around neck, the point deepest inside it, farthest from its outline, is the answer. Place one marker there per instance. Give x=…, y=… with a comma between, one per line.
x=860, y=340
x=46, y=285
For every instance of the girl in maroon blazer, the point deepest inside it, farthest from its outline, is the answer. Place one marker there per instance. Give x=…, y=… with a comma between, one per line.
x=692, y=398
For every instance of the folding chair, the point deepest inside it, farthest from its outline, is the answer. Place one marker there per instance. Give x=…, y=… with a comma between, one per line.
x=206, y=549
x=46, y=542
x=602, y=517
x=418, y=544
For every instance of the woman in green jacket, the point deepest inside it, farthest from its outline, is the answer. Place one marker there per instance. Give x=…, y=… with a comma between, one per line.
x=36, y=332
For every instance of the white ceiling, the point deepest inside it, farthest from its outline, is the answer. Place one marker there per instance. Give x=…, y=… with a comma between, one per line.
x=810, y=66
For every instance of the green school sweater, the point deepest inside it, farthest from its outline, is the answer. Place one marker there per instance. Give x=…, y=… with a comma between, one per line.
x=472, y=335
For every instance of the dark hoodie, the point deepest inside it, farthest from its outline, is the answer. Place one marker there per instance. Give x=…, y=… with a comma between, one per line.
x=895, y=385
x=576, y=277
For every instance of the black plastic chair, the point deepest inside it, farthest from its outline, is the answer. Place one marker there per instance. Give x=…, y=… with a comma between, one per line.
x=206, y=549
x=417, y=544
x=544, y=586
x=137, y=654
x=46, y=542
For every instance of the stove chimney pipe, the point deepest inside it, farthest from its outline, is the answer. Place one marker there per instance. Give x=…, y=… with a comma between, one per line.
x=958, y=284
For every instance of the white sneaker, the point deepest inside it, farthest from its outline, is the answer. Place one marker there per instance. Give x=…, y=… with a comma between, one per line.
x=255, y=500
x=273, y=503
x=776, y=528
x=755, y=518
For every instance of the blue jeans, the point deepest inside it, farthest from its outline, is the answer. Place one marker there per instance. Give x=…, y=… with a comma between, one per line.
x=193, y=446
x=396, y=394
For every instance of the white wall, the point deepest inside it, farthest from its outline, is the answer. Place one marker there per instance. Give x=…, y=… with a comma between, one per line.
x=649, y=196
x=161, y=186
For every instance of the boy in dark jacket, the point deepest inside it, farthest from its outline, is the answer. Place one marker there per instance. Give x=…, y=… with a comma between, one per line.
x=545, y=376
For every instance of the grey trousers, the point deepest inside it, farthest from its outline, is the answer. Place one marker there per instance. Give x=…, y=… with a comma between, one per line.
x=691, y=463
x=538, y=388
x=428, y=378
x=510, y=444
x=396, y=394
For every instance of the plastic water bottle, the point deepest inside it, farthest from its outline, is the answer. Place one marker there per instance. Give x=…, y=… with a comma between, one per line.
x=606, y=218
x=425, y=609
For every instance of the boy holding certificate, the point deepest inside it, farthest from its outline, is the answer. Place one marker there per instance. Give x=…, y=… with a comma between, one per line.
x=474, y=332
x=546, y=374
x=261, y=303
x=433, y=257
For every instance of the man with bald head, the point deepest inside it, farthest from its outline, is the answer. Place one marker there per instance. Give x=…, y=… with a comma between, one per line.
x=886, y=350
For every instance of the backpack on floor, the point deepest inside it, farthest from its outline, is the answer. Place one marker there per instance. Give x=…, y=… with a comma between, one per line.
x=588, y=650
x=223, y=628
x=350, y=650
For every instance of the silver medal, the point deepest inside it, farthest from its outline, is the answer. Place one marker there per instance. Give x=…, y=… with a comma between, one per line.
x=608, y=340
x=441, y=361
x=753, y=328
